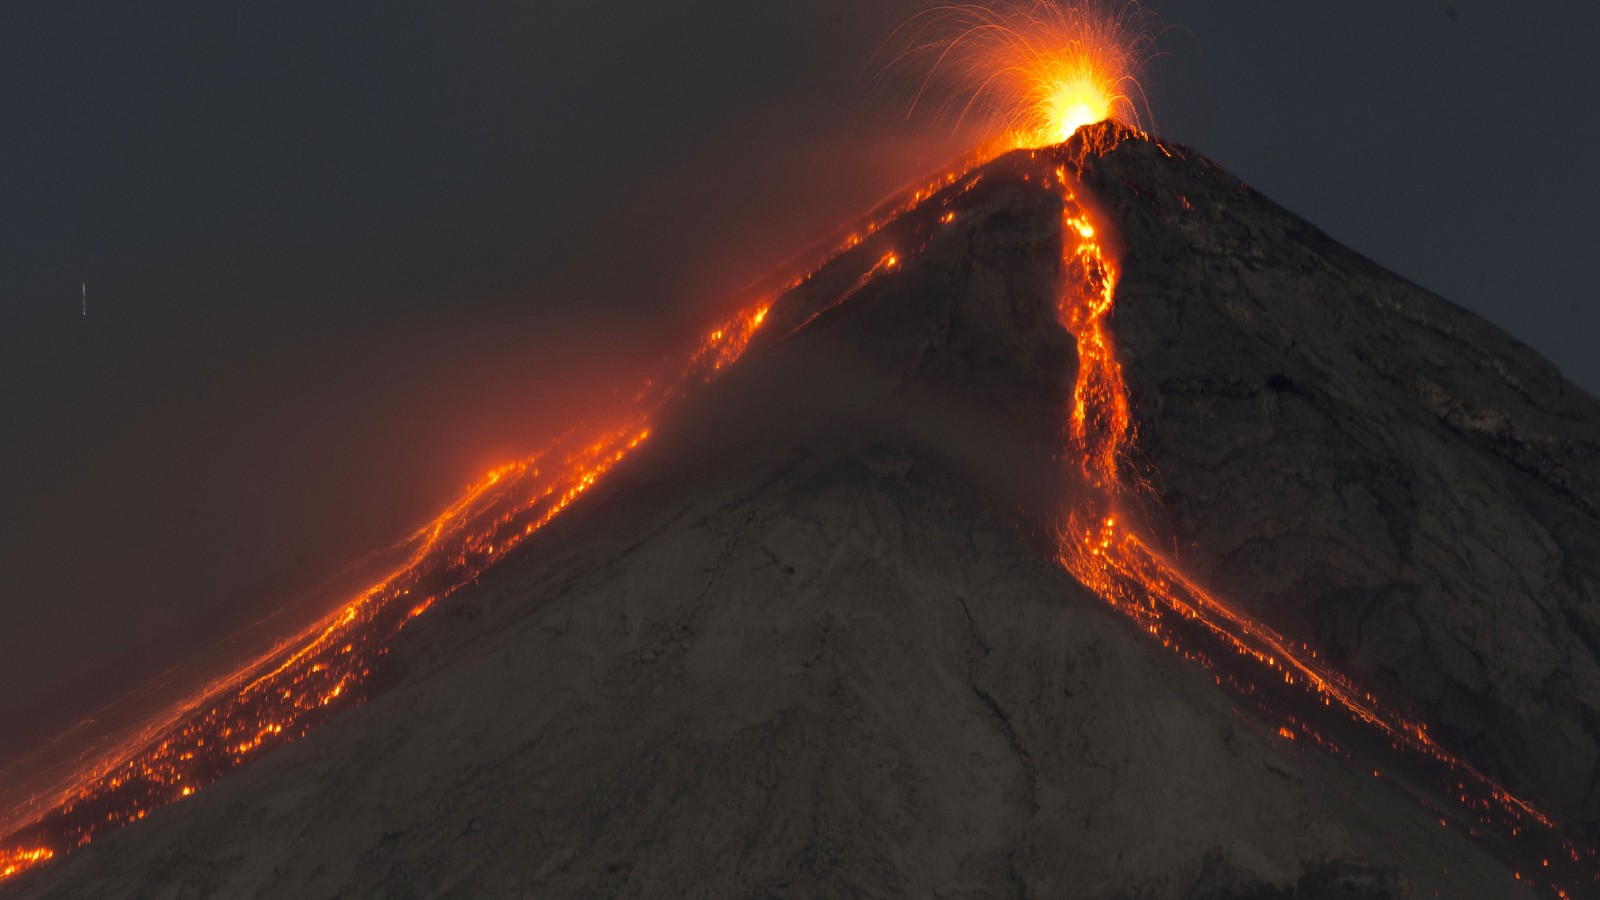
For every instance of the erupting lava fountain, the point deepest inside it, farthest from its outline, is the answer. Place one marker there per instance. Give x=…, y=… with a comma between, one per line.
x=1032, y=74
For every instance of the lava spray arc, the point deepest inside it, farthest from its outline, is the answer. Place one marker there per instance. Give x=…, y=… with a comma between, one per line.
x=1029, y=73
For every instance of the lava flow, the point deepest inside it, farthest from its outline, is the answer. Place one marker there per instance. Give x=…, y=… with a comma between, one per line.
x=286, y=692
x=291, y=689
x=1040, y=71
x=1055, y=69
x=298, y=684
x=1104, y=547
x=16, y=860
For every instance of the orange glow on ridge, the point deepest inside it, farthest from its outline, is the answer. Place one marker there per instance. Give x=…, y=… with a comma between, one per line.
x=286, y=692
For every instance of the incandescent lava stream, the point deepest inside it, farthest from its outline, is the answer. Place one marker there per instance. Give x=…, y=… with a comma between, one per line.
x=303, y=680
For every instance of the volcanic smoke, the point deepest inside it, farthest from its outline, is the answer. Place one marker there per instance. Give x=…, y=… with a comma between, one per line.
x=1037, y=75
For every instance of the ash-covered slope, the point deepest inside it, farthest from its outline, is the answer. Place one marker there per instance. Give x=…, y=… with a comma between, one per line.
x=810, y=642
x=1368, y=468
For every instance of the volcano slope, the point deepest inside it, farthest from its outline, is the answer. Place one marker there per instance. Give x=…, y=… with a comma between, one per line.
x=810, y=639
x=1367, y=468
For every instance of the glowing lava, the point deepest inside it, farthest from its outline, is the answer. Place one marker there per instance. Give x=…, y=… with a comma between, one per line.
x=291, y=689
x=22, y=858
x=1043, y=71
x=1104, y=547
x=297, y=685
x=1035, y=71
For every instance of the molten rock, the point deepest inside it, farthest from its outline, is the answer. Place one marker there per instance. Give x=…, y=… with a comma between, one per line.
x=1368, y=468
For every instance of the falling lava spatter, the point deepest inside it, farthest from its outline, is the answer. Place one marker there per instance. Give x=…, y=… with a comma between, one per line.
x=1032, y=72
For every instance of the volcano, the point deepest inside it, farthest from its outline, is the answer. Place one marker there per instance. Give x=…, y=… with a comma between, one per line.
x=1087, y=525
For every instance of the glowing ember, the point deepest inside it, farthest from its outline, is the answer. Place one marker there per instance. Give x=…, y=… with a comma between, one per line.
x=1036, y=71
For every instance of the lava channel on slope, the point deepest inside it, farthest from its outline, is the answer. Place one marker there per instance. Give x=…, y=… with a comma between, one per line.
x=302, y=681
x=1104, y=543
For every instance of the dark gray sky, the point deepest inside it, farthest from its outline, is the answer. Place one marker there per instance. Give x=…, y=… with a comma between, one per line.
x=342, y=256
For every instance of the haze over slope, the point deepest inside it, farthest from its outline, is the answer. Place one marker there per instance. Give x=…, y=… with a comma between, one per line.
x=810, y=640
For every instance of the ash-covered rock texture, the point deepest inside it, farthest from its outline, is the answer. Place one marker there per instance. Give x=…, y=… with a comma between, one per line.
x=1368, y=468
x=810, y=642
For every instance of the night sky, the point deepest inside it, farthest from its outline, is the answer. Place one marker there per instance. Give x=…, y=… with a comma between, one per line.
x=340, y=257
